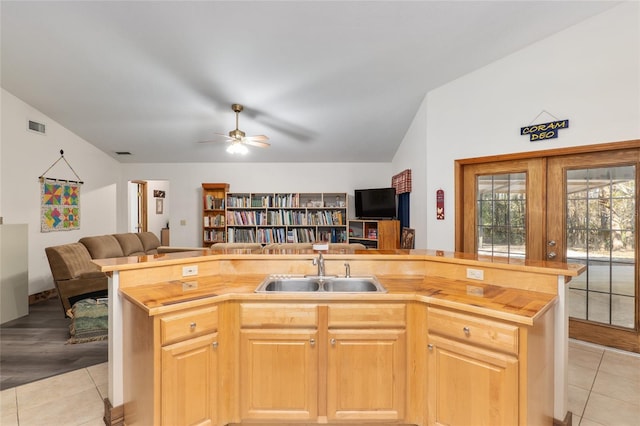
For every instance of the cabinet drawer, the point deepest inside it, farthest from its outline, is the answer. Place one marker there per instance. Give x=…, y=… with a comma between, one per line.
x=183, y=325
x=474, y=330
x=278, y=315
x=350, y=315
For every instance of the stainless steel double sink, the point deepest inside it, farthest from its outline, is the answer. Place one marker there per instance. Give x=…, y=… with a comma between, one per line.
x=314, y=283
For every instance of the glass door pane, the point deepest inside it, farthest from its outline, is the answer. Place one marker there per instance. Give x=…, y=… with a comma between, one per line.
x=501, y=204
x=600, y=233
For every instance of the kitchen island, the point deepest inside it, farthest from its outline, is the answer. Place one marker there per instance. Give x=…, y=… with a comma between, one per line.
x=199, y=346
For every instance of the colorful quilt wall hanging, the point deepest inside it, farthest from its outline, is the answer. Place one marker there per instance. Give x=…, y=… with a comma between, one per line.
x=60, y=205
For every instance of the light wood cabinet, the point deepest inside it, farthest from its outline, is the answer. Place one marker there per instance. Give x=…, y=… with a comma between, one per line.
x=213, y=213
x=375, y=234
x=366, y=361
x=189, y=382
x=477, y=371
x=278, y=374
x=341, y=361
x=335, y=362
x=470, y=385
x=366, y=375
x=171, y=366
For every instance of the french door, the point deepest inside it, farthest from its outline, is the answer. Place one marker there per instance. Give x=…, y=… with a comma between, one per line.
x=567, y=206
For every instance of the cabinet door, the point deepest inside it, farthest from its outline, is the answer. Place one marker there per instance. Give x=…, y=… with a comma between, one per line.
x=366, y=374
x=470, y=385
x=278, y=374
x=189, y=382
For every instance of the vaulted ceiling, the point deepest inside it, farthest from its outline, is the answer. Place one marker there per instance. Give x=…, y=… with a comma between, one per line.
x=327, y=81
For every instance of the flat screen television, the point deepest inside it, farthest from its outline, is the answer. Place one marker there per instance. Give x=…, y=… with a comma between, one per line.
x=375, y=203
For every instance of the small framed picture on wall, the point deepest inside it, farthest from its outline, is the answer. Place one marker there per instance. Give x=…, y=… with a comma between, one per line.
x=159, y=205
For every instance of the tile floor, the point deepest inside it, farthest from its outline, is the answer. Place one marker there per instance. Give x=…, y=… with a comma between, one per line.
x=604, y=389
x=604, y=385
x=69, y=399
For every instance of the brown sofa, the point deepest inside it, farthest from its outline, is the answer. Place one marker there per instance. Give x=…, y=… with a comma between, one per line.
x=76, y=277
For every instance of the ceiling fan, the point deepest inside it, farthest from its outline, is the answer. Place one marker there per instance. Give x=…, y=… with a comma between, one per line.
x=239, y=140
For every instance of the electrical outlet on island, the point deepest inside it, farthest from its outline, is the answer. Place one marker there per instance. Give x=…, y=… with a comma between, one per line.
x=475, y=274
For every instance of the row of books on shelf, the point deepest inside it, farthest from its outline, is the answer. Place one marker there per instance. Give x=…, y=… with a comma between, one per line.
x=263, y=200
x=283, y=235
x=282, y=200
x=271, y=235
x=217, y=220
x=285, y=217
x=214, y=236
x=213, y=203
x=235, y=235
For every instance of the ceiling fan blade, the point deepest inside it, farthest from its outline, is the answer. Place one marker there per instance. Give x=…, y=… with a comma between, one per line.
x=219, y=137
x=258, y=138
x=258, y=143
x=216, y=140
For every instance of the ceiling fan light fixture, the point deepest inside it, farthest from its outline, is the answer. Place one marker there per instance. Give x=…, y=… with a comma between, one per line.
x=237, y=148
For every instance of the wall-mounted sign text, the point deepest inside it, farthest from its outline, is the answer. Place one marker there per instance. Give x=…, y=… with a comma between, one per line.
x=538, y=132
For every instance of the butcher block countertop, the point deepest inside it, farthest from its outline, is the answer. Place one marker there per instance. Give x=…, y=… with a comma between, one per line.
x=520, y=305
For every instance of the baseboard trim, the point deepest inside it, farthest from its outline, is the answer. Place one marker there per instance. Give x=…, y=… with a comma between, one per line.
x=567, y=421
x=113, y=416
x=42, y=296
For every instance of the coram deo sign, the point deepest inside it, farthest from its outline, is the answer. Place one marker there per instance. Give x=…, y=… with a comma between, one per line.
x=538, y=132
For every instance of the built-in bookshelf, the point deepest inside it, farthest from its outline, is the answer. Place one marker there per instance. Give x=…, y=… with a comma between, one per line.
x=286, y=217
x=213, y=213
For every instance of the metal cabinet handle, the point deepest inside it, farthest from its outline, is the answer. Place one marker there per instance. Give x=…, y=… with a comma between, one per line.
x=312, y=342
x=214, y=344
x=192, y=325
x=333, y=342
x=430, y=347
x=466, y=330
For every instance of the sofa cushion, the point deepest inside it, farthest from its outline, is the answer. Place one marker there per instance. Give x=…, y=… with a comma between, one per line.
x=102, y=246
x=70, y=261
x=130, y=244
x=150, y=242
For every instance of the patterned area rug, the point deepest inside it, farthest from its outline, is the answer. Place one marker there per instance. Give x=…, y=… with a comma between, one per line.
x=89, y=321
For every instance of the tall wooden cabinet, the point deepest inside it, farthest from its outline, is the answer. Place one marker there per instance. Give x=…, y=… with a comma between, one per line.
x=375, y=234
x=213, y=213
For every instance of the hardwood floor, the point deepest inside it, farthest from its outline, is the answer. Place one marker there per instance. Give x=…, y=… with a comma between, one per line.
x=35, y=346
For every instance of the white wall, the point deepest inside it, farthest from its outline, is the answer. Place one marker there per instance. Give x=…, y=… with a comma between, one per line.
x=589, y=74
x=412, y=154
x=186, y=180
x=26, y=156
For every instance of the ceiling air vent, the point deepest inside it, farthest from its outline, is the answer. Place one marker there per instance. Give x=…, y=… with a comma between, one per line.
x=34, y=126
x=123, y=153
